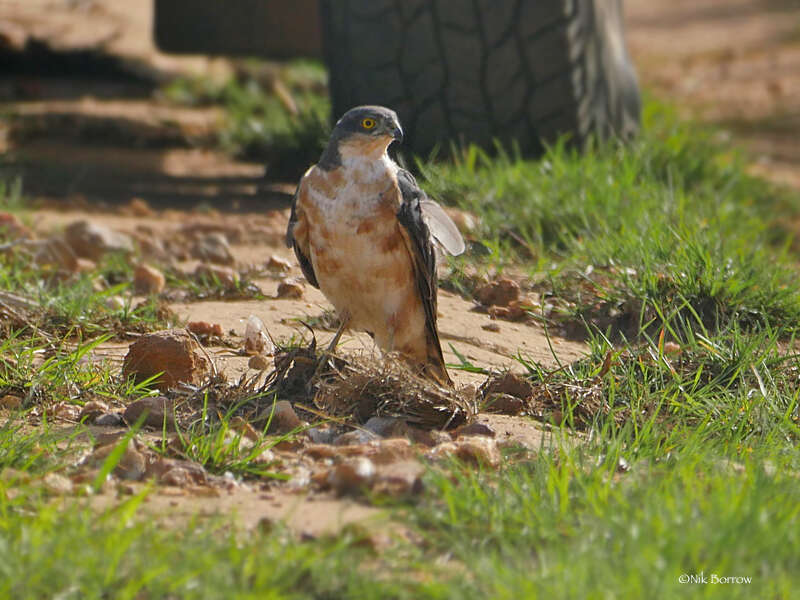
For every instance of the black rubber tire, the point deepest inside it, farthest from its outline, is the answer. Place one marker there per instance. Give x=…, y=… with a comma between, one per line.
x=523, y=72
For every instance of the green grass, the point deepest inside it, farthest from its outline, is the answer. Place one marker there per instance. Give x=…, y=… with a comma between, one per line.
x=286, y=130
x=677, y=268
x=673, y=222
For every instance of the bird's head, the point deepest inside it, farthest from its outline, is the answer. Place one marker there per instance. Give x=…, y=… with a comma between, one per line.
x=364, y=130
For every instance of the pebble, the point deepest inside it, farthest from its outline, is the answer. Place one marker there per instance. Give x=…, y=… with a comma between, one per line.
x=110, y=419
x=258, y=363
x=387, y=426
x=225, y=275
x=214, y=248
x=157, y=409
x=93, y=241
x=148, y=280
x=284, y=419
x=357, y=436
x=498, y=293
x=92, y=409
x=290, y=289
x=351, y=476
x=174, y=353
x=276, y=264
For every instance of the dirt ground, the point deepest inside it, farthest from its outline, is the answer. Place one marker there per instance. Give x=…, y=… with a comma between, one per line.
x=87, y=146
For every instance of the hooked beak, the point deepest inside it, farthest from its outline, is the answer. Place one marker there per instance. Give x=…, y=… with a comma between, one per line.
x=397, y=133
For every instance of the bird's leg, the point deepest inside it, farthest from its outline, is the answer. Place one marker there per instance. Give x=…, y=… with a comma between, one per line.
x=344, y=319
x=344, y=322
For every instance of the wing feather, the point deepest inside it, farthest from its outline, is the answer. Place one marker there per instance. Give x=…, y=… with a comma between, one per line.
x=297, y=233
x=420, y=246
x=441, y=227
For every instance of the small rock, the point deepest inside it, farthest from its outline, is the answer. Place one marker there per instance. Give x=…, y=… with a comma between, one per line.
x=174, y=353
x=284, y=419
x=388, y=451
x=55, y=483
x=194, y=472
x=131, y=465
x=139, y=207
x=352, y=476
x=110, y=419
x=226, y=276
x=67, y=411
x=428, y=437
x=671, y=348
x=504, y=404
x=515, y=311
x=156, y=409
x=276, y=264
x=476, y=450
x=256, y=340
x=290, y=289
x=473, y=429
x=214, y=248
x=10, y=402
x=387, y=426
x=202, y=329
x=498, y=293
x=12, y=228
x=321, y=434
x=357, y=436
x=399, y=479
x=92, y=409
x=493, y=327
x=258, y=363
x=509, y=383
x=114, y=303
x=93, y=241
x=55, y=252
x=85, y=265
x=148, y=280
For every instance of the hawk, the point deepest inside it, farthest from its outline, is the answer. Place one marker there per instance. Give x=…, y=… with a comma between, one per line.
x=364, y=232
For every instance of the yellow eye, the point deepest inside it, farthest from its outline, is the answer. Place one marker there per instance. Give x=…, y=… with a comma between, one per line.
x=368, y=123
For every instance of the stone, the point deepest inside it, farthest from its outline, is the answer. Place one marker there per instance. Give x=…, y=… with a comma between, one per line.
x=357, y=436
x=256, y=340
x=55, y=483
x=493, y=327
x=504, y=404
x=10, y=402
x=290, y=289
x=131, y=465
x=428, y=437
x=148, y=280
x=473, y=429
x=93, y=241
x=110, y=419
x=214, y=248
x=352, y=476
x=276, y=264
x=92, y=409
x=173, y=352
x=179, y=472
x=283, y=418
x=258, y=363
x=399, y=479
x=387, y=426
x=114, y=303
x=321, y=434
x=509, y=383
x=139, y=207
x=55, y=252
x=515, y=311
x=203, y=329
x=226, y=276
x=12, y=228
x=156, y=410
x=498, y=293
x=476, y=450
